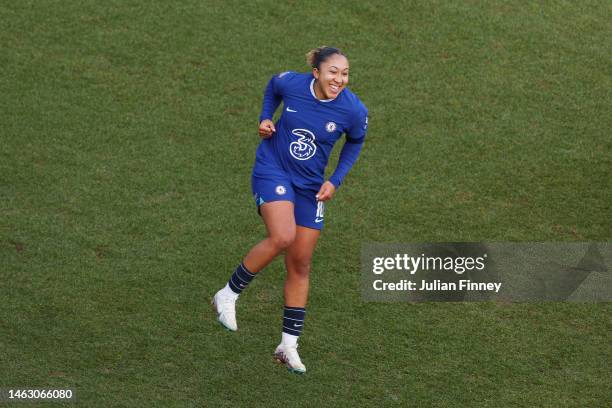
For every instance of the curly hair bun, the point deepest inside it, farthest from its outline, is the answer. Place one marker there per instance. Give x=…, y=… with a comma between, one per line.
x=316, y=56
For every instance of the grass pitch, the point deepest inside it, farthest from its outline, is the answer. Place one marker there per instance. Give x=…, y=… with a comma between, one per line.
x=128, y=130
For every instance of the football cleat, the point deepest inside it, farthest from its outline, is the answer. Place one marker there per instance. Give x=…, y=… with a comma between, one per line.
x=225, y=306
x=288, y=355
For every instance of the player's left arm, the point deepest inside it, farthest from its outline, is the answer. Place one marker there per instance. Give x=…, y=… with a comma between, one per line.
x=348, y=155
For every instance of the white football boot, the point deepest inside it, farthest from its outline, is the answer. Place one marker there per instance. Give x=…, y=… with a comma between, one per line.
x=288, y=355
x=225, y=306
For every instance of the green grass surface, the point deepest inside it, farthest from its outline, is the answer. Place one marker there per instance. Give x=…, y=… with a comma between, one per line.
x=128, y=131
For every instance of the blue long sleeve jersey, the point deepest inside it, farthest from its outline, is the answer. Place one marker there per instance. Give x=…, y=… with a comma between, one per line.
x=307, y=131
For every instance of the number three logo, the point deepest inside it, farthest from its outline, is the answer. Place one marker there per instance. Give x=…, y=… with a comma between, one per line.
x=303, y=148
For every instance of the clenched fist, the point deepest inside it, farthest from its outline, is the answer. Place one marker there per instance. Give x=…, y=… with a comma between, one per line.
x=266, y=128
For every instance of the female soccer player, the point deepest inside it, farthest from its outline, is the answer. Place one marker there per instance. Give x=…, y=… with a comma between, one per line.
x=288, y=182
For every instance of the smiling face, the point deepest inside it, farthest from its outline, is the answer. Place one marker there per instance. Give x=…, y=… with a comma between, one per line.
x=332, y=76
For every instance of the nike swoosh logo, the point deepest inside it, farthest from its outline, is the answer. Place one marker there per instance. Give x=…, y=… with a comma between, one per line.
x=290, y=110
x=318, y=219
x=297, y=325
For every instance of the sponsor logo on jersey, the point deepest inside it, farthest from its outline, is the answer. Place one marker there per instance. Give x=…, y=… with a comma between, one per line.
x=290, y=110
x=282, y=74
x=303, y=148
x=330, y=127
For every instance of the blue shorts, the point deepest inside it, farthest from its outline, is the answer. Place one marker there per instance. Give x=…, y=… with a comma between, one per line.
x=309, y=211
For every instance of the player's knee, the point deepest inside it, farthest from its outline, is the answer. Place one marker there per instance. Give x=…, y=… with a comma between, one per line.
x=301, y=265
x=282, y=240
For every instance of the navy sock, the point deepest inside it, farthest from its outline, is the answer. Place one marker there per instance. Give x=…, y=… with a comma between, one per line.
x=240, y=279
x=293, y=320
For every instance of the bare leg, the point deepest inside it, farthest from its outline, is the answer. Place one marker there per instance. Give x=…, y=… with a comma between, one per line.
x=280, y=223
x=297, y=261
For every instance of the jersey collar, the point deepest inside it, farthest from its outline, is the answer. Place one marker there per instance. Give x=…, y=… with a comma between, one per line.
x=313, y=92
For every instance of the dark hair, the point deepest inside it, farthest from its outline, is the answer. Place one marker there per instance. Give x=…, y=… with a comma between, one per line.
x=316, y=56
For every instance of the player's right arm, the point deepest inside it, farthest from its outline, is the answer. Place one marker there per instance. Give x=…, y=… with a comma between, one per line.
x=273, y=96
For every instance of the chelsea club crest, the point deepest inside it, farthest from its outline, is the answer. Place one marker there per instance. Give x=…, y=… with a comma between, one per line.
x=330, y=127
